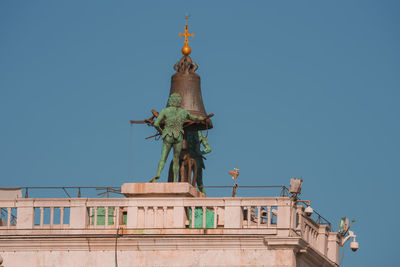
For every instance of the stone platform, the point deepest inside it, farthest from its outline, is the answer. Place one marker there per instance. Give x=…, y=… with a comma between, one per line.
x=160, y=190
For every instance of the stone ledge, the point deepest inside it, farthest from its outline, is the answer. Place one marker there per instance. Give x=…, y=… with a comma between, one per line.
x=160, y=190
x=65, y=233
x=129, y=243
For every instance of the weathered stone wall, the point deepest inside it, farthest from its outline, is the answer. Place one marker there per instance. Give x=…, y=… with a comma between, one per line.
x=215, y=257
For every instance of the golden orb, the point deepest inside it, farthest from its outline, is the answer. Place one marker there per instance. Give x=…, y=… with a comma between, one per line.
x=186, y=50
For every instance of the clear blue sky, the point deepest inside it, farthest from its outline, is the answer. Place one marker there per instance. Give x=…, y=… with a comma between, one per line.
x=299, y=89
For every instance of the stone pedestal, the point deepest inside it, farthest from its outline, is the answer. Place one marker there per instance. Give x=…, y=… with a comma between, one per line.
x=160, y=190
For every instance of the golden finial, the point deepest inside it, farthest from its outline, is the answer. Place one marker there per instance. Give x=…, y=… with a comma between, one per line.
x=186, y=50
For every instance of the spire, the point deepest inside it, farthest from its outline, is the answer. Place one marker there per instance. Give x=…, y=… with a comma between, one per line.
x=186, y=50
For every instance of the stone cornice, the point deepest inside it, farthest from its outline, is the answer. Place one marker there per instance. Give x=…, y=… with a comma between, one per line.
x=131, y=242
x=31, y=233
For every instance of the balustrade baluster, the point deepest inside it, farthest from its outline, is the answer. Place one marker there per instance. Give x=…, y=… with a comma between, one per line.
x=164, y=217
x=51, y=217
x=41, y=216
x=106, y=217
x=117, y=222
x=95, y=217
x=248, y=216
x=145, y=217
x=204, y=216
x=155, y=209
x=8, y=217
x=192, y=219
x=313, y=236
x=215, y=217
x=61, y=216
x=114, y=217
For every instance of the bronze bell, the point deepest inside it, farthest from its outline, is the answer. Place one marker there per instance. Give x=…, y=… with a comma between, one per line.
x=187, y=84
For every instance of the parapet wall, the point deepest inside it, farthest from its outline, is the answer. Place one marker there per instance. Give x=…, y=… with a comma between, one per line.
x=242, y=230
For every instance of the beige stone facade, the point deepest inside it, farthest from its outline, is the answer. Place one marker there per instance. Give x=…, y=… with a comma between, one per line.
x=163, y=231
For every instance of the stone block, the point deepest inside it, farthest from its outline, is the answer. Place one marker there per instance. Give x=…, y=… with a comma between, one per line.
x=160, y=190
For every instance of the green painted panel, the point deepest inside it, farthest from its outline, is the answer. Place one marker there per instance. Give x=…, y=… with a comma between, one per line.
x=101, y=214
x=198, y=218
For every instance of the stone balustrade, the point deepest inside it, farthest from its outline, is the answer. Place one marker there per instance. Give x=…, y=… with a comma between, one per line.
x=156, y=213
x=308, y=228
x=265, y=216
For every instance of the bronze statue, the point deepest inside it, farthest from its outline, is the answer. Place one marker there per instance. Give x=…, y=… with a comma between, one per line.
x=172, y=133
x=194, y=141
x=179, y=124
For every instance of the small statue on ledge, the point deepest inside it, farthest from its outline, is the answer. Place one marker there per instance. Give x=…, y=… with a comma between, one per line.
x=172, y=133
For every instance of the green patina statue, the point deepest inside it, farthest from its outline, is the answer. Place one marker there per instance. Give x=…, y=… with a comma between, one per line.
x=172, y=133
x=194, y=140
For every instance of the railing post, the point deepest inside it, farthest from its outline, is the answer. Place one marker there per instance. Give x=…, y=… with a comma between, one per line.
x=333, y=247
x=299, y=219
x=233, y=214
x=25, y=214
x=132, y=217
x=285, y=217
x=179, y=215
x=322, y=239
x=78, y=214
x=248, y=216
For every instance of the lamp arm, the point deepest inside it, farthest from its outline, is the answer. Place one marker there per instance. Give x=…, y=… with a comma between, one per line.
x=351, y=234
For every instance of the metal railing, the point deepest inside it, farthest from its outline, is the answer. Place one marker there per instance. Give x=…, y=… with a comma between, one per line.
x=107, y=191
x=101, y=191
x=321, y=220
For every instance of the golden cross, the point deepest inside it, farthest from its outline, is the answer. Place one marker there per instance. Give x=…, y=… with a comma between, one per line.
x=186, y=34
